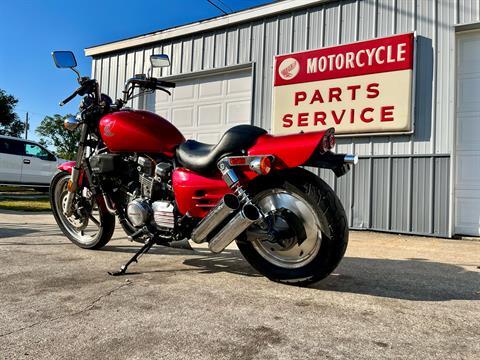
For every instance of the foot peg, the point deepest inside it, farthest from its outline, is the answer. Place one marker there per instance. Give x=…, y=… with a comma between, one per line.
x=145, y=248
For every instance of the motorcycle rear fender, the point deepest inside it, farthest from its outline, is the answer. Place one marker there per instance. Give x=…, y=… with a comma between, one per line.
x=302, y=149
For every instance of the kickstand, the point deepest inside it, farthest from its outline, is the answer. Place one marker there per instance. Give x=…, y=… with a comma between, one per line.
x=123, y=269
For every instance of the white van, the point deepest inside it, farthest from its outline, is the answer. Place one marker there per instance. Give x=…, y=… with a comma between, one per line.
x=26, y=163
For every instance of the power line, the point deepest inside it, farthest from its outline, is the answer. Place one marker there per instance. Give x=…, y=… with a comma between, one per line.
x=218, y=7
x=225, y=5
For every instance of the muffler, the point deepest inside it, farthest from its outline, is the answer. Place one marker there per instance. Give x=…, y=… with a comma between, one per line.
x=238, y=224
x=227, y=205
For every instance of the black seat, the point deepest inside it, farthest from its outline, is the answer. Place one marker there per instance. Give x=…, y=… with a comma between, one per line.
x=203, y=158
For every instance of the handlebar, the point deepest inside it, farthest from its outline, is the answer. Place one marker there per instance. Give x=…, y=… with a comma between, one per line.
x=167, y=84
x=145, y=82
x=87, y=85
x=149, y=83
x=75, y=93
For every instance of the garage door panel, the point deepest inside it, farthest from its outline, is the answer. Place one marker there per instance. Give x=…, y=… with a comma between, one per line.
x=209, y=137
x=160, y=97
x=164, y=113
x=211, y=89
x=238, y=112
x=184, y=92
x=469, y=54
x=219, y=102
x=467, y=217
x=468, y=133
x=468, y=93
x=183, y=117
x=210, y=114
x=467, y=172
x=468, y=175
x=239, y=85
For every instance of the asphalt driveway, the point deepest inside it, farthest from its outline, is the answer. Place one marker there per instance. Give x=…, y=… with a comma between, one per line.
x=391, y=297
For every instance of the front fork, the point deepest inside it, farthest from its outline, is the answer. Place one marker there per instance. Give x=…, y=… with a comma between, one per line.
x=72, y=186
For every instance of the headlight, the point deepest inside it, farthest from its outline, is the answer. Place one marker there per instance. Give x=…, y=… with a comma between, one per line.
x=71, y=123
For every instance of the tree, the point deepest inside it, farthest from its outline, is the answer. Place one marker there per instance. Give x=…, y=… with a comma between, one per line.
x=10, y=124
x=53, y=133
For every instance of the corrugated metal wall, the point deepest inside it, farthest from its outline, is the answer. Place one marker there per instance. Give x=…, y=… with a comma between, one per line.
x=402, y=182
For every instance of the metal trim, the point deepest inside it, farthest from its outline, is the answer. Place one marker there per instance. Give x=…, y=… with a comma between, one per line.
x=208, y=72
x=466, y=27
x=403, y=156
x=247, y=15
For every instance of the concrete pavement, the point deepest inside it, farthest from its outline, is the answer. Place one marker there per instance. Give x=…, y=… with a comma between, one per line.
x=391, y=297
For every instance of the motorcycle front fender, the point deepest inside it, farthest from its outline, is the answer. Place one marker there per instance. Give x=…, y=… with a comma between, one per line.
x=67, y=166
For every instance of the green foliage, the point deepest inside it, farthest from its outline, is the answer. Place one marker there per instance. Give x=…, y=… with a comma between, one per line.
x=53, y=133
x=10, y=124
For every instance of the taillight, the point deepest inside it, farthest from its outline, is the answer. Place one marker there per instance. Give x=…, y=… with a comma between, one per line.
x=237, y=161
x=328, y=141
x=261, y=164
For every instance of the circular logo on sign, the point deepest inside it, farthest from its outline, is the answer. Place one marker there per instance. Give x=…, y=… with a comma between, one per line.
x=288, y=68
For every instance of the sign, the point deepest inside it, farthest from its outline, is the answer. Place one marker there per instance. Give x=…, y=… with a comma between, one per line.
x=359, y=88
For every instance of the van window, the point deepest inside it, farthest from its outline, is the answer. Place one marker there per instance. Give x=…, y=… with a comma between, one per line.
x=9, y=146
x=37, y=151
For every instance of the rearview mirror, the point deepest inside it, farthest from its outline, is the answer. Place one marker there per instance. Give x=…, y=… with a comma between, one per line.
x=64, y=59
x=160, y=60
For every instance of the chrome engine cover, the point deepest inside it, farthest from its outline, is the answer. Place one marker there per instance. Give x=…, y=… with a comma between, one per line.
x=163, y=214
x=139, y=212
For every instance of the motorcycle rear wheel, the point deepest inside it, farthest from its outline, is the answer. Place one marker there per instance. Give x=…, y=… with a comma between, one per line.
x=322, y=216
x=93, y=231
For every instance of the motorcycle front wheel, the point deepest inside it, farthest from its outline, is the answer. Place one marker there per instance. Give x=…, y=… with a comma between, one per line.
x=90, y=227
x=312, y=220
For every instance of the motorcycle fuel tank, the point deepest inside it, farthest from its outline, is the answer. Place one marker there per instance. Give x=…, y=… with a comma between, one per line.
x=139, y=131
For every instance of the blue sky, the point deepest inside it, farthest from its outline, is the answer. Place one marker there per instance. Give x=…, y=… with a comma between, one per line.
x=30, y=30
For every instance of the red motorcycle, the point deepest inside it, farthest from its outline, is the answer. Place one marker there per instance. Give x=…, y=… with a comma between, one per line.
x=249, y=188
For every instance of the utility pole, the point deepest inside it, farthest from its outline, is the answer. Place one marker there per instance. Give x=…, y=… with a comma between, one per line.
x=26, y=126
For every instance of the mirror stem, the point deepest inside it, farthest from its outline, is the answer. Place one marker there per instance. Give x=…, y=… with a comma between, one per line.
x=76, y=72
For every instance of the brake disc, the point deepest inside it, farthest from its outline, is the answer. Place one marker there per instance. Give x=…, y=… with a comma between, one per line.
x=79, y=218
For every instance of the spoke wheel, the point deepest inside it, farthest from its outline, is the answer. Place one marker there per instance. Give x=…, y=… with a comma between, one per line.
x=88, y=227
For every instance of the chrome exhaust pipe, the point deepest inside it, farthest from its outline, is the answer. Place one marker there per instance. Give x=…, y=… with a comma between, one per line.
x=350, y=159
x=238, y=224
x=227, y=205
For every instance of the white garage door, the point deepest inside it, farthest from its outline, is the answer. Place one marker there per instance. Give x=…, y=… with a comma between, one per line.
x=467, y=182
x=203, y=108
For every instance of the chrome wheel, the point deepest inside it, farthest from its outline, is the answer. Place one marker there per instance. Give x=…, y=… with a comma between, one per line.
x=290, y=255
x=85, y=225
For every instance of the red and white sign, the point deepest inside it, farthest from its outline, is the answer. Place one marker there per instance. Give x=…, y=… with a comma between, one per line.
x=363, y=87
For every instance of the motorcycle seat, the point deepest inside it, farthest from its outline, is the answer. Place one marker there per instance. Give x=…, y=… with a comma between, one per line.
x=203, y=158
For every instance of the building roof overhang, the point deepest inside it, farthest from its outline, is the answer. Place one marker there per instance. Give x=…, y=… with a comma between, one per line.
x=203, y=25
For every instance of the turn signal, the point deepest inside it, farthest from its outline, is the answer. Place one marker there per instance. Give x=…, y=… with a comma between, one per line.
x=265, y=165
x=261, y=165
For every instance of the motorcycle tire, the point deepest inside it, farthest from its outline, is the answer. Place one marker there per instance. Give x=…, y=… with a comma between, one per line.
x=106, y=221
x=324, y=204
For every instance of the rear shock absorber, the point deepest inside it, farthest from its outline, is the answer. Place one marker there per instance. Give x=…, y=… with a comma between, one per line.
x=231, y=179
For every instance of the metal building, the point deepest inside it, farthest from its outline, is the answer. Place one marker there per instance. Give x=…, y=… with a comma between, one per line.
x=427, y=182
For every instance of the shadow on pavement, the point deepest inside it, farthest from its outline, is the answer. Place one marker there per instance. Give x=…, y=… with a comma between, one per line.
x=410, y=279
